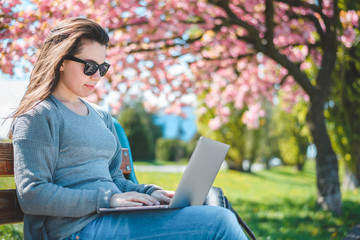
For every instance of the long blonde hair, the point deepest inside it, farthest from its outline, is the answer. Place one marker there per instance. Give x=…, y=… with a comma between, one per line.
x=65, y=39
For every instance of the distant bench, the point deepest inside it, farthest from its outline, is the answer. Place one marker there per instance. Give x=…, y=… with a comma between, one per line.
x=354, y=233
x=10, y=211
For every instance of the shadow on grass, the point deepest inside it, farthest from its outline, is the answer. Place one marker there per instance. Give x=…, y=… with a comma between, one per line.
x=278, y=177
x=297, y=220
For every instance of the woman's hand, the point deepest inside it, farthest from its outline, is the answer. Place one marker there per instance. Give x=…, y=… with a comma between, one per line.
x=163, y=196
x=132, y=199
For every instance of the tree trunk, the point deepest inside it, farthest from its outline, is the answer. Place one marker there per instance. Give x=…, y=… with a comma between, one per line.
x=329, y=196
x=300, y=164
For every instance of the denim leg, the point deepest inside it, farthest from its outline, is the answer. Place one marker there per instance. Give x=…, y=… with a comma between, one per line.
x=196, y=222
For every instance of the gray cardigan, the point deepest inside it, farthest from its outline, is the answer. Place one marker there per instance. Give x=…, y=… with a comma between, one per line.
x=67, y=166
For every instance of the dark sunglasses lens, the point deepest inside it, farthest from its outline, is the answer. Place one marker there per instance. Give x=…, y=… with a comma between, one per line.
x=90, y=68
x=103, y=69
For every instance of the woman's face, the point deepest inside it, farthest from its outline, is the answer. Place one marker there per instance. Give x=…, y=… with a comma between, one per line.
x=73, y=83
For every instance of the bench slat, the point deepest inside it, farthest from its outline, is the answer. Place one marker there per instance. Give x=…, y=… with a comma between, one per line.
x=6, y=160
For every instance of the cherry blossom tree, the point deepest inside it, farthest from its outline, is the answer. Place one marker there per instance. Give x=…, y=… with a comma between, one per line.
x=239, y=51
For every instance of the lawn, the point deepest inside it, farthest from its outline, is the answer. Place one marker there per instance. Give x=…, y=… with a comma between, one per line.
x=277, y=204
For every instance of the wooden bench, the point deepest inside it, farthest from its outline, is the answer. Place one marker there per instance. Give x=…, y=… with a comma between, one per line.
x=10, y=211
x=354, y=233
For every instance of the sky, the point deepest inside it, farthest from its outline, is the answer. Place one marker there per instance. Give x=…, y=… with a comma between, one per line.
x=11, y=92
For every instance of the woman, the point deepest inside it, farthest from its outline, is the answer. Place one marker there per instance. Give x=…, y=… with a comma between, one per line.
x=67, y=155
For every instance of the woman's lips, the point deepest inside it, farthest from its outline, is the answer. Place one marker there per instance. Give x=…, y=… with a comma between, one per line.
x=91, y=87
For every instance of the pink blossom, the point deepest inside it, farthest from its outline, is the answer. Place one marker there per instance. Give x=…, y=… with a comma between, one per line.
x=251, y=117
x=348, y=37
x=223, y=111
x=115, y=107
x=215, y=123
x=350, y=17
x=217, y=66
x=201, y=111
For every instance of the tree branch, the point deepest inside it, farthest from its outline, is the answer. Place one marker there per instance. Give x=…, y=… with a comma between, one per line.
x=229, y=58
x=269, y=50
x=166, y=46
x=312, y=18
x=298, y=3
x=269, y=23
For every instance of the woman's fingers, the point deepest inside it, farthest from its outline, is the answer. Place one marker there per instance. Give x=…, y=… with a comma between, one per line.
x=141, y=197
x=129, y=199
x=163, y=195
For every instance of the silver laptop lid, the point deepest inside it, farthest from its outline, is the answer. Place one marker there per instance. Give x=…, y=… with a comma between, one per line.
x=200, y=173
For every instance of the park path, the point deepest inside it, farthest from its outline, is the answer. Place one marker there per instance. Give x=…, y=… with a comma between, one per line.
x=181, y=168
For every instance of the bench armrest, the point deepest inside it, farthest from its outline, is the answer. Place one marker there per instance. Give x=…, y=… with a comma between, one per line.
x=125, y=144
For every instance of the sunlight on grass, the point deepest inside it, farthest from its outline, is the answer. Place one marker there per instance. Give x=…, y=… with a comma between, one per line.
x=7, y=183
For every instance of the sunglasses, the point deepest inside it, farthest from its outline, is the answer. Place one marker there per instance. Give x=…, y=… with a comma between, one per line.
x=91, y=67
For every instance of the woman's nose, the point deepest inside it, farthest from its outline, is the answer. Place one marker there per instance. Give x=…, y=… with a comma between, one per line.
x=96, y=75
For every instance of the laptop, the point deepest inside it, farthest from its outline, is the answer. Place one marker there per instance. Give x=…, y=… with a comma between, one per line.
x=197, y=179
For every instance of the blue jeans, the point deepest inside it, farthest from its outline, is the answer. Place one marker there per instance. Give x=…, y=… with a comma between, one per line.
x=196, y=222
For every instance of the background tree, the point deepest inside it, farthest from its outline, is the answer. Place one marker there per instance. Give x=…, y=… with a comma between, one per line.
x=252, y=47
x=292, y=134
x=153, y=131
x=141, y=132
x=232, y=132
x=171, y=150
x=249, y=144
x=343, y=109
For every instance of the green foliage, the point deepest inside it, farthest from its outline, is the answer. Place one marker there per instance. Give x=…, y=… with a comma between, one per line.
x=171, y=149
x=349, y=5
x=281, y=134
x=292, y=133
x=11, y=232
x=252, y=144
x=261, y=144
x=154, y=132
x=343, y=109
x=142, y=133
x=135, y=130
x=231, y=132
x=279, y=203
x=190, y=146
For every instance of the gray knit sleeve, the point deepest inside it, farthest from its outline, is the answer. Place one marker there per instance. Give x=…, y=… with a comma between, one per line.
x=36, y=139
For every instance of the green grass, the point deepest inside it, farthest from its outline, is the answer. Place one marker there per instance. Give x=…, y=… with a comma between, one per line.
x=277, y=204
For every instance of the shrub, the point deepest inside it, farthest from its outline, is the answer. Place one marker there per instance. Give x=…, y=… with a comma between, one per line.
x=171, y=149
x=137, y=135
